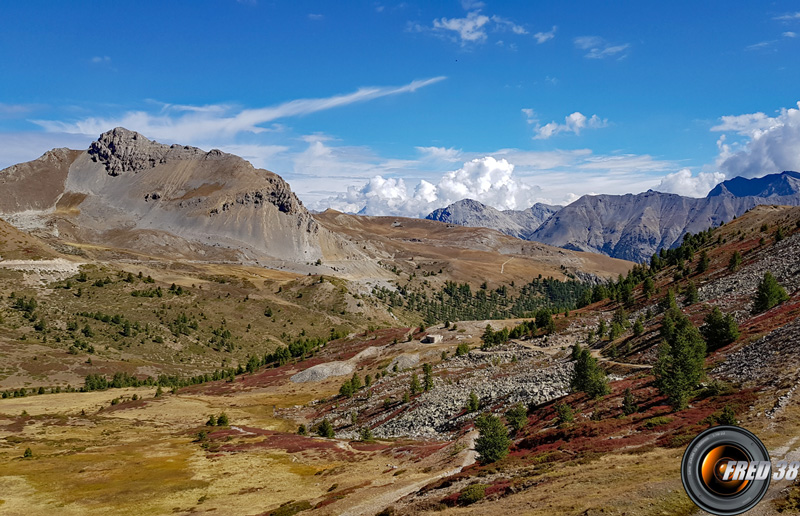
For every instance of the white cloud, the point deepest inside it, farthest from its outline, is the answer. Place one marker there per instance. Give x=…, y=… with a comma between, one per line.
x=471, y=5
x=486, y=179
x=470, y=29
x=770, y=144
x=213, y=123
x=747, y=124
x=599, y=48
x=573, y=123
x=440, y=153
x=761, y=45
x=316, y=17
x=101, y=60
x=473, y=28
x=542, y=37
x=788, y=16
x=508, y=24
x=683, y=182
x=789, y=34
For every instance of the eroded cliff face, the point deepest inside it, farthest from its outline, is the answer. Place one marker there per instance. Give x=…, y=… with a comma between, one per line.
x=141, y=194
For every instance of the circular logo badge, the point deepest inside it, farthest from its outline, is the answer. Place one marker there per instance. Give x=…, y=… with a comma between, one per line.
x=725, y=470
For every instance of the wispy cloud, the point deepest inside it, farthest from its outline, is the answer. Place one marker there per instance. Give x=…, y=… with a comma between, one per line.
x=542, y=37
x=315, y=17
x=204, y=123
x=598, y=48
x=789, y=34
x=505, y=23
x=788, y=16
x=761, y=45
x=101, y=60
x=574, y=123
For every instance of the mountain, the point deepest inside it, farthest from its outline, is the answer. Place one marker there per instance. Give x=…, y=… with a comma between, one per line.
x=129, y=192
x=130, y=197
x=629, y=227
x=520, y=224
x=633, y=227
x=772, y=185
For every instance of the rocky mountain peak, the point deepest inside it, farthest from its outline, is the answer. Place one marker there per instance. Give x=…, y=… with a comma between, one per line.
x=122, y=150
x=770, y=185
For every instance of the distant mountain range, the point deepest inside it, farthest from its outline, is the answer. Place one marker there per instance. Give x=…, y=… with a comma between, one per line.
x=630, y=227
x=521, y=224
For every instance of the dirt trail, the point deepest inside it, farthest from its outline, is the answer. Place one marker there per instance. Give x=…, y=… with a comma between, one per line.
x=377, y=503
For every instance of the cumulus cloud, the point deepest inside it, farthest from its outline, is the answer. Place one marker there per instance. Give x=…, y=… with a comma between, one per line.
x=486, y=179
x=573, y=123
x=542, y=37
x=473, y=28
x=770, y=144
x=213, y=123
x=683, y=182
x=470, y=29
x=598, y=48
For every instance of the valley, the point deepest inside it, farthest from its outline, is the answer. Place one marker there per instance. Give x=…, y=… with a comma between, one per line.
x=359, y=378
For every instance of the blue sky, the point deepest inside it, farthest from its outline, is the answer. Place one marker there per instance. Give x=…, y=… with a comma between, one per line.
x=399, y=108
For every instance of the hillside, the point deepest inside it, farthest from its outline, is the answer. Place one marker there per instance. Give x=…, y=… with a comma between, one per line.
x=418, y=455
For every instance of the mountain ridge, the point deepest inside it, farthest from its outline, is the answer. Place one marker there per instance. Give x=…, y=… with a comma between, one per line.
x=634, y=226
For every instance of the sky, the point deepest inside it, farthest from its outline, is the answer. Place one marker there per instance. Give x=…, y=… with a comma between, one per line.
x=399, y=108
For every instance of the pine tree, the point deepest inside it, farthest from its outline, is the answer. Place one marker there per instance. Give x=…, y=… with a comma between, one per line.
x=768, y=294
x=346, y=390
x=325, y=429
x=719, y=330
x=681, y=358
x=427, y=369
x=648, y=287
x=414, y=387
x=691, y=294
x=222, y=420
x=564, y=413
x=493, y=442
x=212, y=420
x=588, y=376
x=705, y=261
x=638, y=327
x=736, y=261
x=366, y=435
x=355, y=382
x=629, y=405
x=473, y=402
x=517, y=417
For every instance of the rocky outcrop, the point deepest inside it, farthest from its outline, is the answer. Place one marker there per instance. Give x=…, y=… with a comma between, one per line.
x=121, y=150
